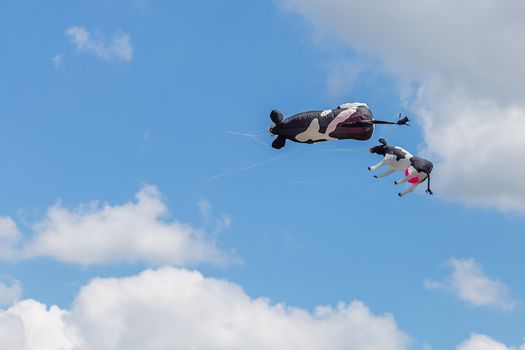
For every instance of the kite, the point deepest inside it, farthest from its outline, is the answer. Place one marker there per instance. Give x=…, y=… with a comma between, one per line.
x=348, y=121
x=415, y=169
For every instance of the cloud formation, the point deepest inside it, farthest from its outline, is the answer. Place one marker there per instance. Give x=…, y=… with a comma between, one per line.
x=30, y=325
x=461, y=76
x=9, y=238
x=118, y=47
x=10, y=293
x=173, y=308
x=57, y=60
x=469, y=283
x=98, y=234
x=483, y=342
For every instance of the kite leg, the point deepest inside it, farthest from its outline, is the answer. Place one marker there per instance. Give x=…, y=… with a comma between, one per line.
x=279, y=142
x=386, y=173
x=408, y=190
x=405, y=179
x=378, y=165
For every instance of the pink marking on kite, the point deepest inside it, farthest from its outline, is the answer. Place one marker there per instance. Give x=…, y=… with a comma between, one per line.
x=413, y=180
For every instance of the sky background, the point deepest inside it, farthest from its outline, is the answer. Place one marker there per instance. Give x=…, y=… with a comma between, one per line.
x=143, y=207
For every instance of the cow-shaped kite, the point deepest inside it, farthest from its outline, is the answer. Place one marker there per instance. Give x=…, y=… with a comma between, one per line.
x=348, y=121
x=416, y=169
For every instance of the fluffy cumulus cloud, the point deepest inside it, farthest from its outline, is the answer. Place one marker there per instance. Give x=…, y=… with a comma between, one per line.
x=10, y=292
x=173, y=308
x=483, y=342
x=9, y=237
x=469, y=283
x=103, y=233
x=118, y=47
x=460, y=66
x=30, y=325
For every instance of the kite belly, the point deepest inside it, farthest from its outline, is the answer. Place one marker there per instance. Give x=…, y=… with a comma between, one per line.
x=353, y=128
x=307, y=127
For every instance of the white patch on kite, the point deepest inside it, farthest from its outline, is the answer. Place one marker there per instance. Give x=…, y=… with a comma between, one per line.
x=312, y=133
x=353, y=105
x=341, y=117
x=325, y=112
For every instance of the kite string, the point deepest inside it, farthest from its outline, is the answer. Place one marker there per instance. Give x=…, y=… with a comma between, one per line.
x=254, y=137
x=254, y=162
x=327, y=185
x=251, y=165
x=246, y=133
x=360, y=150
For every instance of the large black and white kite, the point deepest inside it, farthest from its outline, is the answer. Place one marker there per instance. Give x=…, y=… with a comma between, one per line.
x=348, y=121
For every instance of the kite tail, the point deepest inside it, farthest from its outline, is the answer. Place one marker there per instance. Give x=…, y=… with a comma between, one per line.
x=361, y=123
x=401, y=121
x=428, y=190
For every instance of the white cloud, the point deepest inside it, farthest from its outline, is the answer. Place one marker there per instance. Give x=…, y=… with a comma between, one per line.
x=57, y=60
x=11, y=331
x=429, y=284
x=469, y=77
x=9, y=237
x=483, y=342
x=117, y=48
x=179, y=309
x=343, y=76
x=205, y=208
x=134, y=231
x=469, y=283
x=29, y=325
x=10, y=293
x=218, y=224
x=479, y=164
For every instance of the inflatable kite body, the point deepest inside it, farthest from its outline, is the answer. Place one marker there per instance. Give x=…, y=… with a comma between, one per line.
x=348, y=121
x=415, y=169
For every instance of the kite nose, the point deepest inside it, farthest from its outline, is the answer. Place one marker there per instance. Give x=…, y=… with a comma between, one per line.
x=371, y=150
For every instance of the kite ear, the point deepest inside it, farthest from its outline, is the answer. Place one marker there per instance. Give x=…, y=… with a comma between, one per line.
x=276, y=116
x=383, y=141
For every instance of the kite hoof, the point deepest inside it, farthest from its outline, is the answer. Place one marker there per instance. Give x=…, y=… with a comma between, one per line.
x=369, y=168
x=400, y=195
x=375, y=176
x=279, y=142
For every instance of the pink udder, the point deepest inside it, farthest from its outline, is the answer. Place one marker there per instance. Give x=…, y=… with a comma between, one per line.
x=413, y=180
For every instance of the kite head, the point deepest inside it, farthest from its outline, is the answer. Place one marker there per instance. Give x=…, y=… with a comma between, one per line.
x=380, y=149
x=277, y=118
x=272, y=129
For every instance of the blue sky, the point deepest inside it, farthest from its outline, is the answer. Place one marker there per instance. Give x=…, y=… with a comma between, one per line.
x=306, y=225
